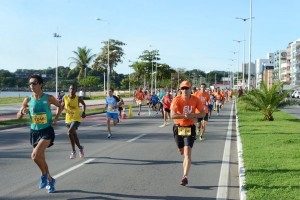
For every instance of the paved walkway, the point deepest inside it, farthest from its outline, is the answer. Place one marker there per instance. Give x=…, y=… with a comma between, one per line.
x=9, y=111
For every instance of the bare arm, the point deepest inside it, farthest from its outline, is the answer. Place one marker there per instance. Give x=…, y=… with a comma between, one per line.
x=23, y=109
x=84, y=107
x=175, y=115
x=54, y=101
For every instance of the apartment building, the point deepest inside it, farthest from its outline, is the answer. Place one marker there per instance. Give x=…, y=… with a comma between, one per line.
x=295, y=63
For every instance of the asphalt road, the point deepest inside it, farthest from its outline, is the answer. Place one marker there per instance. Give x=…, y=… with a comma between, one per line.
x=140, y=162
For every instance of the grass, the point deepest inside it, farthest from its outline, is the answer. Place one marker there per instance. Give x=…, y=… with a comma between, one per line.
x=271, y=152
x=11, y=100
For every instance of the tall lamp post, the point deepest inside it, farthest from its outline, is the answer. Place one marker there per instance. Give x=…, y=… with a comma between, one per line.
x=232, y=72
x=108, y=65
x=244, y=19
x=238, y=41
x=250, y=43
x=56, y=35
x=129, y=77
x=156, y=75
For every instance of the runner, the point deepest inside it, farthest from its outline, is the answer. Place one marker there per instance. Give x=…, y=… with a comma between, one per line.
x=161, y=95
x=205, y=100
x=71, y=104
x=230, y=95
x=167, y=99
x=139, y=97
x=218, y=100
x=211, y=105
x=184, y=110
x=154, y=101
x=121, y=104
x=112, y=104
x=41, y=131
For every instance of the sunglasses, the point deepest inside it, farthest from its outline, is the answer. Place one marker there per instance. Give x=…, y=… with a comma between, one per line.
x=185, y=88
x=33, y=83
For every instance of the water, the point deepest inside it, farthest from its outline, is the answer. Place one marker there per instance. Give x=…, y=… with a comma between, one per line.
x=24, y=94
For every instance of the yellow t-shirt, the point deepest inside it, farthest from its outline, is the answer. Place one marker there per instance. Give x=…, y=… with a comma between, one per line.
x=72, y=109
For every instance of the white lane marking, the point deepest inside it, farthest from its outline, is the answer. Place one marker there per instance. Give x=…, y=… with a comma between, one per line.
x=89, y=160
x=138, y=137
x=224, y=173
x=72, y=168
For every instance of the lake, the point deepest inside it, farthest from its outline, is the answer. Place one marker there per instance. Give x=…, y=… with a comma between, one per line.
x=24, y=94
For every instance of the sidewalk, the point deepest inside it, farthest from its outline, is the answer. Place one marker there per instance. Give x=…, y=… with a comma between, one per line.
x=9, y=111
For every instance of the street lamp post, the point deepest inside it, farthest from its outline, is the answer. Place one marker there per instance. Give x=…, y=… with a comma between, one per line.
x=232, y=71
x=156, y=74
x=250, y=43
x=104, y=83
x=56, y=35
x=108, y=65
x=129, y=78
x=238, y=41
x=244, y=19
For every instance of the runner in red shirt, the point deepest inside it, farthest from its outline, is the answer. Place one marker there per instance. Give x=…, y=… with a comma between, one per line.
x=139, y=97
x=205, y=100
x=167, y=99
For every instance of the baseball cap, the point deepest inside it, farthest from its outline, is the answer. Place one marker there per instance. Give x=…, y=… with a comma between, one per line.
x=185, y=84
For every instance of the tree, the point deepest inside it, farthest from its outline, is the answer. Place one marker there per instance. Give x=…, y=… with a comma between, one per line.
x=267, y=101
x=90, y=81
x=116, y=53
x=81, y=61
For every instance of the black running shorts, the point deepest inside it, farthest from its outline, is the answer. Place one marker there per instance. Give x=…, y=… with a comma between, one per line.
x=182, y=141
x=45, y=134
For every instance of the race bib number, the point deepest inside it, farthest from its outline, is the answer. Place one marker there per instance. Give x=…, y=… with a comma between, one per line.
x=110, y=108
x=184, y=131
x=39, y=119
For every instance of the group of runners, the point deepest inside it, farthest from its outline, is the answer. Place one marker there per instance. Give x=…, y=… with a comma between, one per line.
x=190, y=109
x=185, y=108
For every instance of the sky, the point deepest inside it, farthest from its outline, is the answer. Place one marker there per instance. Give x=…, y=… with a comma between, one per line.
x=190, y=34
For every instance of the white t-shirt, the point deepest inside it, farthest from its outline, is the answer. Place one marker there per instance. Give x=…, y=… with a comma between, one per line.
x=112, y=105
x=80, y=93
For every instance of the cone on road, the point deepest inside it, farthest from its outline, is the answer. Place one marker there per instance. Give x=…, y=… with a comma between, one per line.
x=130, y=114
x=123, y=116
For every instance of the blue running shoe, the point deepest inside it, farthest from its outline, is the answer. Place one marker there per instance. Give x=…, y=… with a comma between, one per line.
x=43, y=182
x=50, y=186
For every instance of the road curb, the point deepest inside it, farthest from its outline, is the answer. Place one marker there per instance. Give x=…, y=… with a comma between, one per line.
x=241, y=167
x=14, y=126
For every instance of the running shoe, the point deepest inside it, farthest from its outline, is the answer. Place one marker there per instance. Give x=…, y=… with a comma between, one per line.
x=43, y=182
x=201, y=138
x=50, y=186
x=198, y=132
x=73, y=155
x=81, y=153
x=184, y=181
x=109, y=135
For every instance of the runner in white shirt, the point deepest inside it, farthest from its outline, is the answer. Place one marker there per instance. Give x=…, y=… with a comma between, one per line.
x=112, y=105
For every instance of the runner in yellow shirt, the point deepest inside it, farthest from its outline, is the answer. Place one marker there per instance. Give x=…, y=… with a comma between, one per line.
x=71, y=104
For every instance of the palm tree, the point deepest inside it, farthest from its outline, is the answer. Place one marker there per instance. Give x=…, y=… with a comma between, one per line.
x=81, y=60
x=267, y=101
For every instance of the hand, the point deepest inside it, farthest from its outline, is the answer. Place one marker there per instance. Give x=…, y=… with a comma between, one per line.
x=83, y=115
x=54, y=122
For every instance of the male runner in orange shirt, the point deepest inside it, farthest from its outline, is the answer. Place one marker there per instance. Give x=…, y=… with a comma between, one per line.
x=205, y=100
x=185, y=108
x=139, y=97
